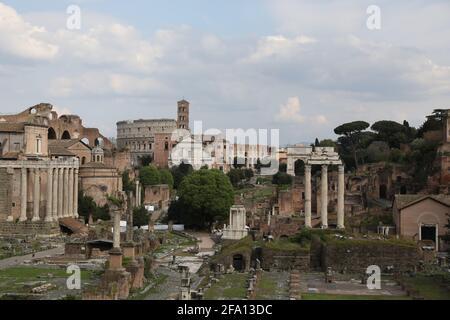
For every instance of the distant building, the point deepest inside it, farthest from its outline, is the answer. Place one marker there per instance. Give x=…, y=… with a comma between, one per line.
x=151, y=137
x=422, y=217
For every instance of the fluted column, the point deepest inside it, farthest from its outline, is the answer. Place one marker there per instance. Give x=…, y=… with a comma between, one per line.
x=75, y=194
x=60, y=192
x=308, y=223
x=341, y=198
x=116, y=230
x=137, y=193
x=66, y=193
x=70, y=195
x=36, y=195
x=23, y=195
x=324, y=197
x=49, y=212
x=55, y=195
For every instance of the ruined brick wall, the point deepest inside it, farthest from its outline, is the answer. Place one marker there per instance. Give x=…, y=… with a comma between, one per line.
x=5, y=194
x=281, y=227
x=285, y=260
x=39, y=228
x=285, y=203
x=157, y=195
x=356, y=256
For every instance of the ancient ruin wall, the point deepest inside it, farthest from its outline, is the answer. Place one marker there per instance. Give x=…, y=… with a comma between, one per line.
x=356, y=256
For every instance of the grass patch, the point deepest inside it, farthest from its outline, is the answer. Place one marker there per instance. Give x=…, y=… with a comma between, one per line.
x=430, y=287
x=323, y=296
x=285, y=245
x=230, y=287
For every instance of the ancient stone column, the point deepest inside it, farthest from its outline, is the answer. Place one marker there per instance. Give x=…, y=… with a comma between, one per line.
x=49, y=212
x=66, y=193
x=75, y=194
x=116, y=230
x=60, y=192
x=341, y=198
x=36, y=195
x=308, y=223
x=55, y=195
x=137, y=193
x=70, y=195
x=23, y=195
x=324, y=197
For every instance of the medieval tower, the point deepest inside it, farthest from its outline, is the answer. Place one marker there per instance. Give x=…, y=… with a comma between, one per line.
x=183, y=115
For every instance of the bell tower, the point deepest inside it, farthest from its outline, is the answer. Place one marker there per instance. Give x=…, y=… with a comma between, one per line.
x=183, y=115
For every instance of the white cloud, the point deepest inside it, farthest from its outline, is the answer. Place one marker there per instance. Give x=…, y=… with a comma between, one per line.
x=21, y=39
x=290, y=112
x=274, y=46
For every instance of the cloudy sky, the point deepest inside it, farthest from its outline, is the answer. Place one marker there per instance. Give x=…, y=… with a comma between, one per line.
x=301, y=66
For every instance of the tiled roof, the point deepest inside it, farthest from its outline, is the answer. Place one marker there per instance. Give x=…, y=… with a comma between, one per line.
x=11, y=127
x=60, y=151
x=405, y=200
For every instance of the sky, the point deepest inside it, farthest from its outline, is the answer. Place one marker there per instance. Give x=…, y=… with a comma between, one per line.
x=300, y=66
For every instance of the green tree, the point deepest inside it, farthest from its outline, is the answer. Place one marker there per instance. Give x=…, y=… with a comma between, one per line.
x=149, y=176
x=102, y=213
x=86, y=206
x=248, y=174
x=146, y=161
x=236, y=176
x=351, y=137
x=140, y=217
x=391, y=132
x=281, y=178
x=126, y=181
x=327, y=143
x=179, y=172
x=205, y=197
x=166, y=177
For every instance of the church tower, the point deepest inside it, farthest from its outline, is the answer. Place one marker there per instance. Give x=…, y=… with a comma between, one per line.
x=183, y=115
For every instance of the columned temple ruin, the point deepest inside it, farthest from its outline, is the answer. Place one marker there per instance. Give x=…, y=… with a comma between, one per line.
x=38, y=182
x=324, y=157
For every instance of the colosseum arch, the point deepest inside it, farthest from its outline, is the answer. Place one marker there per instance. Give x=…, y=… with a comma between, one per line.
x=66, y=135
x=51, y=134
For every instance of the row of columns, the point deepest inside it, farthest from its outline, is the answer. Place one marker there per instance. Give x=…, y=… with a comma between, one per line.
x=324, y=197
x=62, y=193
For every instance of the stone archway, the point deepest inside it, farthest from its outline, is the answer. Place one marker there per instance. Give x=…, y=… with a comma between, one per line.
x=383, y=191
x=66, y=135
x=238, y=262
x=51, y=134
x=299, y=168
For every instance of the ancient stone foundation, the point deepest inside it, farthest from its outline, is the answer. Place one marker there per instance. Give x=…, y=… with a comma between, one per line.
x=355, y=257
x=38, y=228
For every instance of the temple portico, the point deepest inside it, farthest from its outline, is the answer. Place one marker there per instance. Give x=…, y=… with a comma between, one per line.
x=54, y=190
x=324, y=157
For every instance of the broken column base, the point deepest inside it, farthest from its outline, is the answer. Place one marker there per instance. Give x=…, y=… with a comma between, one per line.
x=129, y=250
x=115, y=260
x=136, y=269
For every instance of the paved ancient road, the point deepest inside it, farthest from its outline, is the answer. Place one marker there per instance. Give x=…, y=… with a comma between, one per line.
x=206, y=243
x=14, y=261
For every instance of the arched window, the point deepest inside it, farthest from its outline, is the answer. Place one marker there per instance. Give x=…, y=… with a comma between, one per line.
x=166, y=146
x=66, y=135
x=51, y=134
x=83, y=160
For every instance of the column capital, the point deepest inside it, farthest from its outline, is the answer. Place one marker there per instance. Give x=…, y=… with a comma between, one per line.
x=341, y=168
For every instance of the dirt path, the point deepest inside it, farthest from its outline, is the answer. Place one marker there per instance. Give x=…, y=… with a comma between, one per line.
x=206, y=243
x=14, y=261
